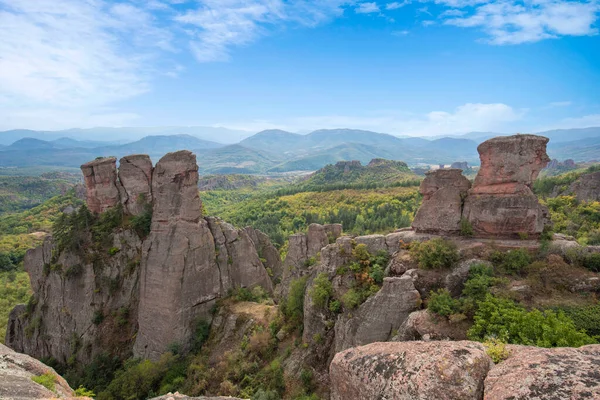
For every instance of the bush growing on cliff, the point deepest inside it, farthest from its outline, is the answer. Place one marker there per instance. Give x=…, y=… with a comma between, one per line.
x=513, y=261
x=511, y=323
x=442, y=303
x=292, y=306
x=321, y=291
x=436, y=253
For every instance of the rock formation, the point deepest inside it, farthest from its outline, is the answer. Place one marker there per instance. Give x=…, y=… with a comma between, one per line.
x=101, y=182
x=444, y=191
x=410, y=370
x=460, y=165
x=140, y=293
x=463, y=370
x=585, y=188
x=135, y=176
x=500, y=203
x=16, y=371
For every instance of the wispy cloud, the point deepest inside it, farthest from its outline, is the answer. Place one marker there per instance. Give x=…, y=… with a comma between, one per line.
x=400, y=33
x=397, y=4
x=466, y=118
x=514, y=22
x=560, y=103
x=216, y=26
x=367, y=8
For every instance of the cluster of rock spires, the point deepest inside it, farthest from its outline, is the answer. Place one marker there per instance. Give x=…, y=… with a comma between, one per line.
x=500, y=202
x=150, y=293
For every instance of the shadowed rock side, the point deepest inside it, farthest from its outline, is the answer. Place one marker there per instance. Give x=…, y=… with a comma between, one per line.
x=141, y=294
x=463, y=370
x=585, y=188
x=444, y=191
x=135, y=175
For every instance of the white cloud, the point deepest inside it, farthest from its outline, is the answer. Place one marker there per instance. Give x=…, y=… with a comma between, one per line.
x=514, y=22
x=215, y=26
x=397, y=4
x=587, y=121
x=560, y=104
x=400, y=33
x=367, y=8
x=466, y=118
x=427, y=23
x=452, y=13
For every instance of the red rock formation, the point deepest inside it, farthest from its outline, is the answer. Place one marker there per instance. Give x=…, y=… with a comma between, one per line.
x=102, y=186
x=443, y=192
x=501, y=202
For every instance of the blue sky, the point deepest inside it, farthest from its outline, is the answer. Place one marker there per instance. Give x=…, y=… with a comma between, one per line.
x=404, y=67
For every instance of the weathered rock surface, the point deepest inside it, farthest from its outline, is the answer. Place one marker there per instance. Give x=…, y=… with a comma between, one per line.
x=501, y=202
x=545, y=374
x=135, y=175
x=16, y=371
x=267, y=252
x=423, y=325
x=77, y=303
x=585, y=188
x=202, y=259
x=302, y=247
x=443, y=193
x=378, y=317
x=410, y=370
x=101, y=184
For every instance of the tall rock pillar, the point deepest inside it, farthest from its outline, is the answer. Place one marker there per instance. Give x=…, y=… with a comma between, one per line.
x=102, y=185
x=501, y=202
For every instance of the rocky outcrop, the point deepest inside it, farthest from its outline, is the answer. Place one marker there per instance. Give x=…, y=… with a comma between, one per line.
x=303, y=249
x=444, y=191
x=378, y=317
x=101, y=184
x=501, y=202
x=135, y=293
x=585, y=188
x=16, y=373
x=267, y=253
x=135, y=176
x=463, y=165
x=203, y=260
x=410, y=370
x=536, y=373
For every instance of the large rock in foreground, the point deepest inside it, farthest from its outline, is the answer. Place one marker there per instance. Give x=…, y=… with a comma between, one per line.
x=443, y=193
x=501, y=202
x=16, y=371
x=411, y=370
x=546, y=374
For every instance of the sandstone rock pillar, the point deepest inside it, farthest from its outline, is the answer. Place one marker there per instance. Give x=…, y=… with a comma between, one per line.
x=102, y=186
x=135, y=175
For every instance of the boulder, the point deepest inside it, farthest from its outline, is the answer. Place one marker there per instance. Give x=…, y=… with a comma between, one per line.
x=545, y=374
x=443, y=193
x=135, y=175
x=16, y=373
x=102, y=186
x=410, y=370
x=379, y=316
x=501, y=202
x=423, y=325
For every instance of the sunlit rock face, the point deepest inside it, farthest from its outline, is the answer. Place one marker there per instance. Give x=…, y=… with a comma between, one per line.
x=102, y=185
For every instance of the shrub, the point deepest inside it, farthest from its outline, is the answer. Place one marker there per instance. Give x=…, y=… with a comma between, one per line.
x=293, y=306
x=98, y=317
x=47, y=380
x=143, y=222
x=514, y=261
x=442, y=303
x=201, y=334
x=435, y=254
x=497, y=350
x=113, y=250
x=592, y=262
x=352, y=299
x=466, y=229
x=321, y=291
x=509, y=322
x=335, y=306
x=377, y=274
x=83, y=392
x=586, y=318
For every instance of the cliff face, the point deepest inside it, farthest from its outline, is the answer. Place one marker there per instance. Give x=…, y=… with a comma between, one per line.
x=136, y=294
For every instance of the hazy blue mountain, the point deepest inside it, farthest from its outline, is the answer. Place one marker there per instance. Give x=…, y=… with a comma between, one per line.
x=235, y=159
x=68, y=143
x=127, y=134
x=30, y=144
x=275, y=140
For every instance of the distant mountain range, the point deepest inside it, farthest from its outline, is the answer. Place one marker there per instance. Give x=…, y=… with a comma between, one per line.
x=270, y=151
